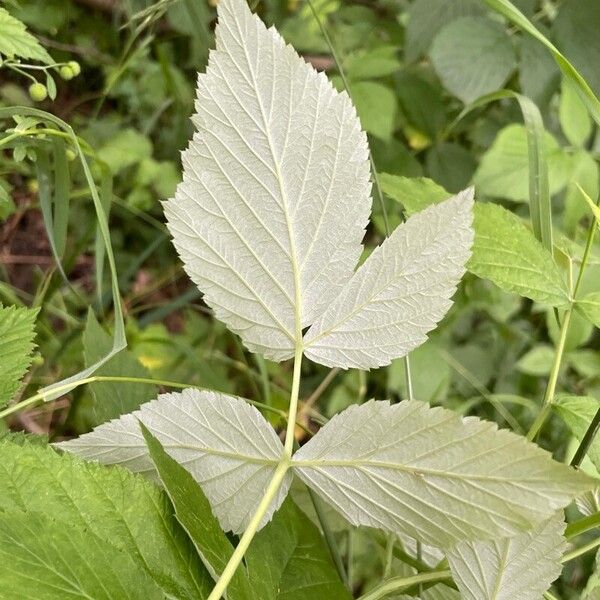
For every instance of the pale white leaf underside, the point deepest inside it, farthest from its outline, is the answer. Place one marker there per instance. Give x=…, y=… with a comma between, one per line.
x=518, y=568
x=275, y=197
x=401, y=291
x=431, y=474
x=223, y=441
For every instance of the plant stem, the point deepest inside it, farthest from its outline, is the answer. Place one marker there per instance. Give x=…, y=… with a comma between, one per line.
x=272, y=488
x=552, y=381
x=247, y=537
x=331, y=543
x=582, y=525
x=37, y=398
x=581, y=550
x=294, y=395
x=586, y=440
x=398, y=584
x=551, y=387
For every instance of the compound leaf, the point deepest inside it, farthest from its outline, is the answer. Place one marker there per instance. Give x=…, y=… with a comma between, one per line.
x=224, y=442
x=275, y=196
x=518, y=568
x=400, y=292
x=430, y=474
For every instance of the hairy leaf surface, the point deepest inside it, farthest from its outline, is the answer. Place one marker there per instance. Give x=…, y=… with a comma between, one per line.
x=119, y=508
x=275, y=196
x=518, y=568
x=16, y=41
x=224, y=442
x=400, y=292
x=428, y=473
x=16, y=345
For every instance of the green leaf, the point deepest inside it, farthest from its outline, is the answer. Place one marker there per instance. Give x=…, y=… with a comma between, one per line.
x=574, y=118
x=586, y=176
x=538, y=74
x=125, y=149
x=413, y=193
x=47, y=559
x=589, y=307
x=577, y=412
x=504, y=168
x=421, y=103
x=114, y=505
x=450, y=165
x=372, y=63
x=506, y=8
x=575, y=32
x=506, y=252
x=287, y=559
x=111, y=399
x=376, y=106
x=538, y=361
x=427, y=17
x=192, y=510
x=473, y=56
x=16, y=346
x=17, y=42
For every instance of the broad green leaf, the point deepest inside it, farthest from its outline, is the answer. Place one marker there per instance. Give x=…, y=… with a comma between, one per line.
x=286, y=560
x=586, y=177
x=376, y=105
x=506, y=252
x=504, y=168
x=574, y=118
x=539, y=76
x=16, y=345
x=589, y=307
x=399, y=293
x=538, y=361
x=275, y=196
x=114, y=505
x=224, y=442
x=414, y=193
x=372, y=63
x=431, y=474
x=427, y=17
x=192, y=510
x=513, y=14
x=577, y=412
x=423, y=106
x=518, y=568
x=125, y=149
x=47, y=559
x=17, y=42
x=451, y=165
x=473, y=56
x=575, y=33
x=579, y=333
x=111, y=399
x=585, y=362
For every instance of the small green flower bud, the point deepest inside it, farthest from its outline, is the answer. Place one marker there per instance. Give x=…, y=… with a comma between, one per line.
x=75, y=67
x=66, y=72
x=38, y=91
